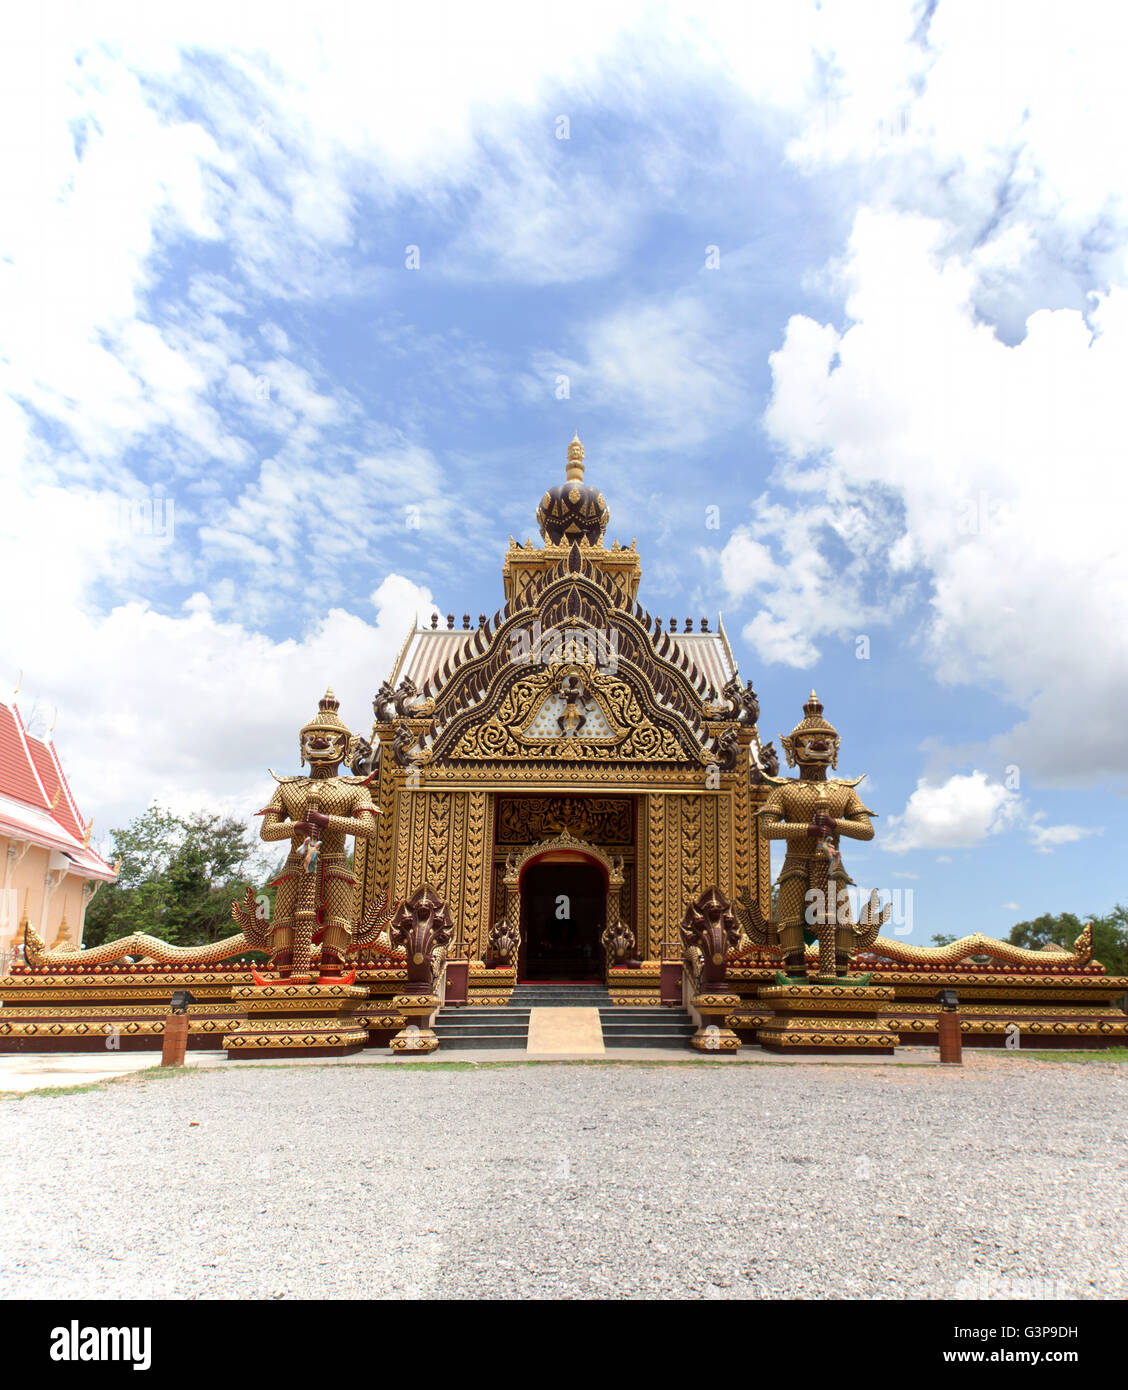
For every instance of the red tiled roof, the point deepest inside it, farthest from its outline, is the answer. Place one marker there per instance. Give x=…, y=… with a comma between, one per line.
x=18, y=776
x=31, y=779
x=46, y=762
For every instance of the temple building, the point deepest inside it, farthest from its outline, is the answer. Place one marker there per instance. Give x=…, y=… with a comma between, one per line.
x=50, y=870
x=560, y=824
x=572, y=762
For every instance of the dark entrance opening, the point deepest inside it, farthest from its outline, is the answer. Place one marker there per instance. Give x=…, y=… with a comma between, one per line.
x=562, y=910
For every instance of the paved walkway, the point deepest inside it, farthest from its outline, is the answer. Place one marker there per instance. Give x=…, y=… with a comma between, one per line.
x=564, y=1033
x=37, y=1071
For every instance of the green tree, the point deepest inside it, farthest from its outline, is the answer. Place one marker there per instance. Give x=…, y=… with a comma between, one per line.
x=942, y=940
x=177, y=879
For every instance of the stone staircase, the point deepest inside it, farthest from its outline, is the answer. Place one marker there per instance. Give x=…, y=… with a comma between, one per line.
x=508, y=1027
x=482, y=1028
x=638, y=1026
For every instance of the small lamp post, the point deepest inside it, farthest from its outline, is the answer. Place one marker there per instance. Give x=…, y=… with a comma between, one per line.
x=948, y=1027
x=175, y=1041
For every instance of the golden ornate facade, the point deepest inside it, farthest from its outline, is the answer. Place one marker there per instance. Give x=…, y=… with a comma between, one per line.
x=571, y=790
x=572, y=710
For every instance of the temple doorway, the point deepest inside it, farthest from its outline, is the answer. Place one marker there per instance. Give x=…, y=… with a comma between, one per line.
x=562, y=910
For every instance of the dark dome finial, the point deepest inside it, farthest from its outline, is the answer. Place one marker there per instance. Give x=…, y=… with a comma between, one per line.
x=573, y=510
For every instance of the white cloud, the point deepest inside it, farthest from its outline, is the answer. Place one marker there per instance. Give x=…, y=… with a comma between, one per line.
x=191, y=710
x=958, y=814
x=186, y=706
x=1047, y=838
x=964, y=811
x=669, y=365
x=805, y=595
x=893, y=427
x=1012, y=907
x=997, y=456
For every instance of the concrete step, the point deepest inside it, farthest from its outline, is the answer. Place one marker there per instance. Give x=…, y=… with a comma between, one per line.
x=498, y=1015
x=618, y=1029
x=622, y=1026
x=560, y=999
x=470, y=1030
x=614, y=1015
x=481, y=1041
x=578, y=990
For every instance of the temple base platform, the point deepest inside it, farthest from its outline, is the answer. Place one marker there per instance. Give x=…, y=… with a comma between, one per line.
x=297, y=1020
x=837, y=1018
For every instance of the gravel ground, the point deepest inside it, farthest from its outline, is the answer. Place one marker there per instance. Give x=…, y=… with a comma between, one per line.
x=1004, y=1179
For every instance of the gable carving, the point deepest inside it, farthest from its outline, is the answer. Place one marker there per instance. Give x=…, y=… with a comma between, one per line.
x=621, y=730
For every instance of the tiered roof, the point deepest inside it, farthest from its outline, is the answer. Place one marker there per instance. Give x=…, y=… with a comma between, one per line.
x=36, y=802
x=573, y=518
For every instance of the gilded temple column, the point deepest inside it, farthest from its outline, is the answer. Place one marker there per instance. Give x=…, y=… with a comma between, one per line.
x=652, y=875
x=373, y=858
x=474, y=923
x=690, y=845
x=759, y=873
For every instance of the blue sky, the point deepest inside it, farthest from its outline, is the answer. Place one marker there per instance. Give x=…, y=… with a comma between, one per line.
x=852, y=275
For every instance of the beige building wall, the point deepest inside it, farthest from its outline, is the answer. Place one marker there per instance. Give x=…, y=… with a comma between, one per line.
x=41, y=879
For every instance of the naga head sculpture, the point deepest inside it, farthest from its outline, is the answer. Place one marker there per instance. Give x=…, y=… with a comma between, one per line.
x=814, y=741
x=501, y=942
x=709, y=927
x=422, y=926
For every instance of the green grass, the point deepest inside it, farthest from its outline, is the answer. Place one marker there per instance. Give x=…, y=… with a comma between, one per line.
x=156, y=1073
x=145, y=1072
x=1108, y=1054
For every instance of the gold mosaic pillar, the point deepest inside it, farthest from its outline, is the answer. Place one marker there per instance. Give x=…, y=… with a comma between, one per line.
x=445, y=845
x=475, y=923
x=758, y=875
x=373, y=859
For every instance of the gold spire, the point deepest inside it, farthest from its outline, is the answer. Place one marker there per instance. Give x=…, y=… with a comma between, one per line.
x=575, y=472
x=63, y=937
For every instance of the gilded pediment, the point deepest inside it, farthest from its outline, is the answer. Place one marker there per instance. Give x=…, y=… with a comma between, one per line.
x=569, y=713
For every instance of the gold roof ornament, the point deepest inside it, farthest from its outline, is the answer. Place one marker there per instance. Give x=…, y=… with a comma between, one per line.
x=575, y=469
x=63, y=936
x=573, y=511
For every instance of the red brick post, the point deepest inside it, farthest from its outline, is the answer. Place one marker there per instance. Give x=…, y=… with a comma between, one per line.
x=175, y=1041
x=951, y=1040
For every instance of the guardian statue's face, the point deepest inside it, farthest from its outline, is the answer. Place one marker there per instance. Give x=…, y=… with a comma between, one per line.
x=322, y=747
x=815, y=748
